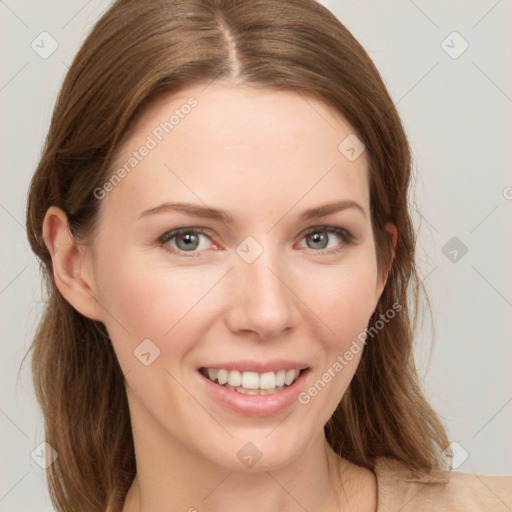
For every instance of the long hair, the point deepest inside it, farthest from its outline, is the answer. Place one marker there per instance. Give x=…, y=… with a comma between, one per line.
x=137, y=52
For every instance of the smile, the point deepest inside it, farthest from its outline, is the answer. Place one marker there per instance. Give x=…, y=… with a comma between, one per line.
x=252, y=383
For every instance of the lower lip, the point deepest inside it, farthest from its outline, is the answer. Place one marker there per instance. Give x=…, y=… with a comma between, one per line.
x=255, y=405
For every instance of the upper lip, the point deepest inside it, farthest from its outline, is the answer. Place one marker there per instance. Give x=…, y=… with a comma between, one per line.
x=259, y=367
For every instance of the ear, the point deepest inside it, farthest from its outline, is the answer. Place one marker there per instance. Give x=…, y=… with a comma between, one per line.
x=392, y=234
x=71, y=269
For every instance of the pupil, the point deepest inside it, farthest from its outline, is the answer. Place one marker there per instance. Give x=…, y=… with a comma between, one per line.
x=191, y=241
x=319, y=238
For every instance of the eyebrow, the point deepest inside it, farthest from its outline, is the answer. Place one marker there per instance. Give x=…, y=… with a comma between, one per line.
x=226, y=218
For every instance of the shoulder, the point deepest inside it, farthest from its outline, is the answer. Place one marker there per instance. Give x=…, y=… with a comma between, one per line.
x=399, y=488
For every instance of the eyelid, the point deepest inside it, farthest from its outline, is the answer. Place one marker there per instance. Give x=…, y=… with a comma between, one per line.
x=347, y=239
x=343, y=233
x=337, y=230
x=173, y=233
x=178, y=231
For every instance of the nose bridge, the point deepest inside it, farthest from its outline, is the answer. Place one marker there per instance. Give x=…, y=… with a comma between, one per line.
x=263, y=302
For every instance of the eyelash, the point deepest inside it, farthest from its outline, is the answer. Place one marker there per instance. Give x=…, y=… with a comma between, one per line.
x=346, y=237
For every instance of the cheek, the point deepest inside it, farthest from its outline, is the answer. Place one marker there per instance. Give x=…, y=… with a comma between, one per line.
x=148, y=298
x=344, y=298
x=343, y=308
x=154, y=301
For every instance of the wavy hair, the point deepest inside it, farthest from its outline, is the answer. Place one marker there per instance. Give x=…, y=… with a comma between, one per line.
x=138, y=51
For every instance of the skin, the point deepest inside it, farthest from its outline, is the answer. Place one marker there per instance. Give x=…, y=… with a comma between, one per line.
x=264, y=157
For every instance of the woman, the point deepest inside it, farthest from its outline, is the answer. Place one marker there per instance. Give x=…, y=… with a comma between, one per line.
x=221, y=212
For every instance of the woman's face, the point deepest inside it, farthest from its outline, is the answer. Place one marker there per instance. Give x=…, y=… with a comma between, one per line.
x=218, y=249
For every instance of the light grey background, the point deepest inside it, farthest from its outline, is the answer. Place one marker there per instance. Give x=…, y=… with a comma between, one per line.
x=457, y=112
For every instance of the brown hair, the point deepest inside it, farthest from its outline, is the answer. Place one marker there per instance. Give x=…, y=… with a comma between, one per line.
x=137, y=52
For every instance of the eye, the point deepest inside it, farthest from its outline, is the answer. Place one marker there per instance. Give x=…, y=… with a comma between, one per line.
x=195, y=240
x=319, y=238
x=184, y=240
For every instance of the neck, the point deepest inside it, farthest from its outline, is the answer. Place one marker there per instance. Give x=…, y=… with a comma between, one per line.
x=171, y=476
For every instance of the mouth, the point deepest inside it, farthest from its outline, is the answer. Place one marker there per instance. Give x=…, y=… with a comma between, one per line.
x=252, y=382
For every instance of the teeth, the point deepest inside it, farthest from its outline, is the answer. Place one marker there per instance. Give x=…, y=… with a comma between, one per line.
x=222, y=376
x=250, y=380
x=253, y=383
x=234, y=378
x=290, y=377
x=254, y=391
x=268, y=380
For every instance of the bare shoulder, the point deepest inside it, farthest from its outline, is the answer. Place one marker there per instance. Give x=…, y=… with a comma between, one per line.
x=398, y=487
x=490, y=492
x=360, y=484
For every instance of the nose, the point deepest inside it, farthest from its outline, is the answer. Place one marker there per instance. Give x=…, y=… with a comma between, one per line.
x=262, y=298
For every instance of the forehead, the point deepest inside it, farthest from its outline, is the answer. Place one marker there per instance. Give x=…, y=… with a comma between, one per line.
x=236, y=145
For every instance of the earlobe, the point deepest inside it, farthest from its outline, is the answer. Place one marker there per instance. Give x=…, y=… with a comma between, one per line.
x=392, y=234
x=74, y=281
